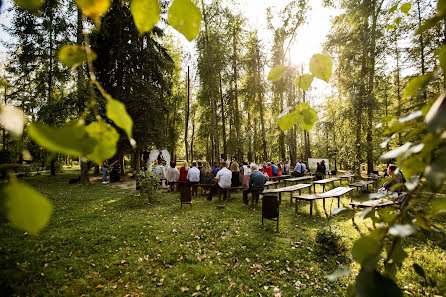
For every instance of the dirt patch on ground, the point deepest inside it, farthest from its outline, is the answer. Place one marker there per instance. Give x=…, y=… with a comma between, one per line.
x=126, y=182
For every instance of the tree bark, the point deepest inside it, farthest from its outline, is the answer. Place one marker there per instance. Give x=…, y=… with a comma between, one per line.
x=187, y=115
x=261, y=106
x=216, y=144
x=235, y=78
x=223, y=119
x=137, y=160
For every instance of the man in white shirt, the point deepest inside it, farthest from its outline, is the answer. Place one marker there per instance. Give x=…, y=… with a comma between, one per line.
x=193, y=176
x=223, y=178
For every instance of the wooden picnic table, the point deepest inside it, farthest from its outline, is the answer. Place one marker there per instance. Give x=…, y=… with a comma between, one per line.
x=271, y=183
x=334, y=193
x=296, y=179
x=348, y=177
x=374, y=178
x=290, y=189
x=323, y=182
x=361, y=184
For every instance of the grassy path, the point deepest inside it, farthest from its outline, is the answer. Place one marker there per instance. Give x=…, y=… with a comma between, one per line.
x=102, y=242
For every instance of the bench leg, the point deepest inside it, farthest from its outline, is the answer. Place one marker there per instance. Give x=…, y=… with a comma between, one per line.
x=339, y=202
x=311, y=207
x=296, y=207
x=314, y=188
x=323, y=203
x=309, y=190
x=291, y=197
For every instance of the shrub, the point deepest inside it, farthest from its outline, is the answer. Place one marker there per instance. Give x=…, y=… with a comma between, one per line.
x=330, y=242
x=147, y=185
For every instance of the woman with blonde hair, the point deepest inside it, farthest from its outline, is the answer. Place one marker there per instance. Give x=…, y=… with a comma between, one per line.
x=183, y=171
x=206, y=174
x=235, y=181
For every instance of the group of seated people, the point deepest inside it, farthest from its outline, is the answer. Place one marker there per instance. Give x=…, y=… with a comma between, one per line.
x=396, y=179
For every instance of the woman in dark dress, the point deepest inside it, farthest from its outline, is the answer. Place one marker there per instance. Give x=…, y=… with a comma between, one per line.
x=235, y=182
x=206, y=174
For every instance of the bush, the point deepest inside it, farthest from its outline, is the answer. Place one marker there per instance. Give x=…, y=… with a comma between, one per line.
x=330, y=242
x=57, y=165
x=15, y=168
x=147, y=185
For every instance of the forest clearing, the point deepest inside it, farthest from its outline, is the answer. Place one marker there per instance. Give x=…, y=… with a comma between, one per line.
x=223, y=147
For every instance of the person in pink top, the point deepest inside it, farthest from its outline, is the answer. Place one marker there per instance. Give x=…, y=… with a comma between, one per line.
x=173, y=175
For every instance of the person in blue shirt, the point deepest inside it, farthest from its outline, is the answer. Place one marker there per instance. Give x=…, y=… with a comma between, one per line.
x=303, y=167
x=256, y=184
x=215, y=168
x=275, y=169
x=298, y=169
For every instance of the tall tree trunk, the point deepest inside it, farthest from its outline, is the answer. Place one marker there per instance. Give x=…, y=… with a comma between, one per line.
x=423, y=70
x=293, y=142
x=50, y=83
x=250, y=138
x=211, y=87
x=187, y=115
x=261, y=106
x=192, y=140
x=376, y=8
x=282, y=135
x=137, y=160
x=398, y=85
x=235, y=78
x=360, y=98
x=84, y=179
x=223, y=119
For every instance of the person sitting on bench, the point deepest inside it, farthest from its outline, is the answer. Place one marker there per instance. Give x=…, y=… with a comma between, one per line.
x=395, y=179
x=256, y=183
x=193, y=176
x=223, y=179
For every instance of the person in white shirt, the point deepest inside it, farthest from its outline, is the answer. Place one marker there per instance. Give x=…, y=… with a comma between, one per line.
x=193, y=176
x=223, y=178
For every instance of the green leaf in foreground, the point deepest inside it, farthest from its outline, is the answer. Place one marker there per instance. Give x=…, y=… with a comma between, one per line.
x=304, y=81
x=71, y=139
x=118, y=114
x=94, y=9
x=146, y=14
x=441, y=55
x=406, y=7
x=107, y=138
x=26, y=208
x=393, y=8
x=370, y=283
x=435, y=119
x=74, y=55
x=304, y=116
x=365, y=248
x=30, y=5
x=186, y=18
x=416, y=85
x=276, y=73
x=321, y=66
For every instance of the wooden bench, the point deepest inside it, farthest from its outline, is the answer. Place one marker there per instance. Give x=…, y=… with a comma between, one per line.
x=323, y=182
x=290, y=189
x=382, y=202
x=361, y=184
x=297, y=179
x=334, y=193
x=229, y=190
x=271, y=183
x=348, y=177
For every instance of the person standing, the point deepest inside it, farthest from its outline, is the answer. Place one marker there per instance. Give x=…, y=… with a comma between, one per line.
x=104, y=171
x=223, y=179
x=286, y=168
x=256, y=184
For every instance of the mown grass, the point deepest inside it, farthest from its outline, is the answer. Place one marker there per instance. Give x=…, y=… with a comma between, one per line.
x=102, y=241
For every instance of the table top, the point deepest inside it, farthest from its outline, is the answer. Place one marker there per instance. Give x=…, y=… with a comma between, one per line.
x=288, y=189
x=347, y=175
x=270, y=183
x=281, y=176
x=327, y=180
x=299, y=178
x=361, y=183
x=336, y=192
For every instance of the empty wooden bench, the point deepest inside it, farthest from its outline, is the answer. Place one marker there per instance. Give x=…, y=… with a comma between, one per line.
x=323, y=182
x=334, y=193
x=349, y=177
x=361, y=184
x=271, y=183
x=290, y=189
x=298, y=179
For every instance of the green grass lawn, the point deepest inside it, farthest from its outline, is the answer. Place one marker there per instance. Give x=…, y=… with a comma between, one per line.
x=100, y=242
